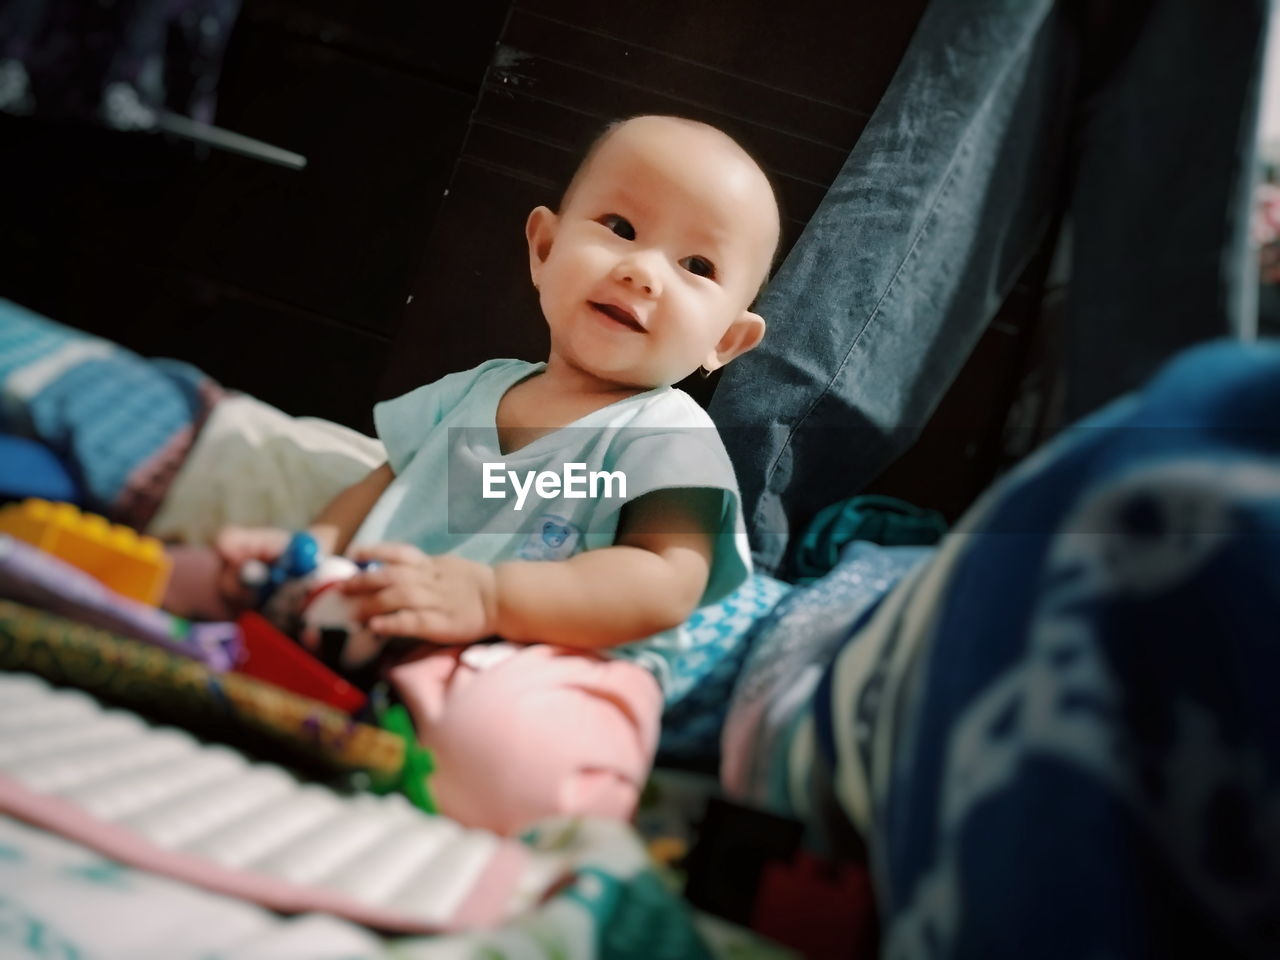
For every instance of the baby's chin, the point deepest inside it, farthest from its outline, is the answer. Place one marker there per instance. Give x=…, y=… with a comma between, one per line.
x=625, y=376
x=646, y=381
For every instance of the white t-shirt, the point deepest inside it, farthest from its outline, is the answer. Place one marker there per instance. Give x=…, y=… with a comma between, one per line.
x=440, y=437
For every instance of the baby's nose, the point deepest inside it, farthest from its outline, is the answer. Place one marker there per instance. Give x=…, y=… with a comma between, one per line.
x=637, y=274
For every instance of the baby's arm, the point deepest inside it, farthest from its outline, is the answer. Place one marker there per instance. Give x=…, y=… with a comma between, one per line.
x=650, y=580
x=338, y=522
x=333, y=529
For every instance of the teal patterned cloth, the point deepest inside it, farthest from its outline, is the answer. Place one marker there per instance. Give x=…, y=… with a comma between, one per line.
x=704, y=676
x=887, y=521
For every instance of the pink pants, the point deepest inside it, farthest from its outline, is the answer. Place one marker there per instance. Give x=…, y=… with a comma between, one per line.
x=525, y=732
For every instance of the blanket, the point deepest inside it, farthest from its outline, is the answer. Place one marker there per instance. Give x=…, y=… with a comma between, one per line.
x=124, y=424
x=1059, y=734
x=60, y=899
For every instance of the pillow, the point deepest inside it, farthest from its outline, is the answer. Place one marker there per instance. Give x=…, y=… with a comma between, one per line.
x=254, y=465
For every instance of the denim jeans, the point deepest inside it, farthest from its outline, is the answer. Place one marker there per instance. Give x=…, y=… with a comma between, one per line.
x=1001, y=112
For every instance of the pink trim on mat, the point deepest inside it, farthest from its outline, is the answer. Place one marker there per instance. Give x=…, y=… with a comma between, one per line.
x=485, y=906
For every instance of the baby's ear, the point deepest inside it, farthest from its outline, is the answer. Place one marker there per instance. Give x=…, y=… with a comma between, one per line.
x=540, y=231
x=743, y=335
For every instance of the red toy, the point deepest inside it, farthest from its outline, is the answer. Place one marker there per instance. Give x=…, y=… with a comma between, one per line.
x=271, y=656
x=824, y=910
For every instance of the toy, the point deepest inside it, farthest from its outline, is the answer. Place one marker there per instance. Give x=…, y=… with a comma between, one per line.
x=132, y=565
x=486, y=710
x=297, y=594
x=271, y=656
x=33, y=577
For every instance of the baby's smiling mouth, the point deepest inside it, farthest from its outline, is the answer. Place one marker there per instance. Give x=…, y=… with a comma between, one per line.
x=621, y=314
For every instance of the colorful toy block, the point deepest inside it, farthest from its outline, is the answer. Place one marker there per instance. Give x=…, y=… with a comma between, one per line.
x=130, y=564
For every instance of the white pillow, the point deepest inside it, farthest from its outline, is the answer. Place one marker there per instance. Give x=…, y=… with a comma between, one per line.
x=254, y=465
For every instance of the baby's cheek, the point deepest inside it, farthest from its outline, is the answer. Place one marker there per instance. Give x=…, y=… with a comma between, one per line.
x=592, y=263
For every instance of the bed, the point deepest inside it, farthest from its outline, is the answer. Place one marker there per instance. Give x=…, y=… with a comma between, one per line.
x=1054, y=735
x=158, y=446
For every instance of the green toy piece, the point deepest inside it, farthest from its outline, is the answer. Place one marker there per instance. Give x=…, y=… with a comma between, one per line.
x=418, y=760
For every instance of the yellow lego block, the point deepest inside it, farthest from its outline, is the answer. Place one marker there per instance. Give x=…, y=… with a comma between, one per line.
x=132, y=565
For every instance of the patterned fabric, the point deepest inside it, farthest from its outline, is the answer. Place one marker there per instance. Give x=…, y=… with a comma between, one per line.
x=703, y=676
x=181, y=690
x=124, y=424
x=61, y=899
x=1080, y=688
x=887, y=521
x=803, y=632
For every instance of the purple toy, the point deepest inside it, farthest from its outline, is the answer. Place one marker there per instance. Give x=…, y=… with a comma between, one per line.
x=31, y=576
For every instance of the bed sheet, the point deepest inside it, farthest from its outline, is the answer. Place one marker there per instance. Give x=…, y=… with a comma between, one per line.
x=61, y=899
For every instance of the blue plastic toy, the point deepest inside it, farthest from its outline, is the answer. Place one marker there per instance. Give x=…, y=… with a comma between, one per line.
x=299, y=559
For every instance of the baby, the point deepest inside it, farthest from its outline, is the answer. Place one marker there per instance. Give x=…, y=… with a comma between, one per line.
x=646, y=272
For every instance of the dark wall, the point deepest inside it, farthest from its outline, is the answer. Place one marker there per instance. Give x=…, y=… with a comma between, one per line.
x=319, y=290
x=430, y=131
x=795, y=83
x=287, y=284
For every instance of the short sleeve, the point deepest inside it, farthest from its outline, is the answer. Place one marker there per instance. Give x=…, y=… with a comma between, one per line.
x=404, y=422
x=693, y=457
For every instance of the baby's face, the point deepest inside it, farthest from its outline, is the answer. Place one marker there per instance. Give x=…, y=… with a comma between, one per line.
x=651, y=265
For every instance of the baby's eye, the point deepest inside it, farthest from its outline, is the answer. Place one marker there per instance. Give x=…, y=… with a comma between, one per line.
x=619, y=225
x=699, y=266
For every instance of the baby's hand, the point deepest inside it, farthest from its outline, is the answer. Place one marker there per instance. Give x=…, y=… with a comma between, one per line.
x=443, y=598
x=236, y=546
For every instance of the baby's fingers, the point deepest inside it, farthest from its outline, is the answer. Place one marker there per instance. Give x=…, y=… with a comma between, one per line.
x=389, y=553
x=234, y=544
x=368, y=581
x=383, y=577
x=408, y=596
x=420, y=624
x=237, y=544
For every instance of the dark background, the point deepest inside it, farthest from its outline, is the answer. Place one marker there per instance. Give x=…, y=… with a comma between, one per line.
x=397, y=255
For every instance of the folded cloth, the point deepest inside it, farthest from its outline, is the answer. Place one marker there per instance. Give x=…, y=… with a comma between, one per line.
x=615, y=906
x=791, y=649
x=178, y=689
x=157, y=798
x=887, y=521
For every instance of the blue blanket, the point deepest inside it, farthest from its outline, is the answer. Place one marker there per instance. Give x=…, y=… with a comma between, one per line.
x=124, y=424
x=1060, y=734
